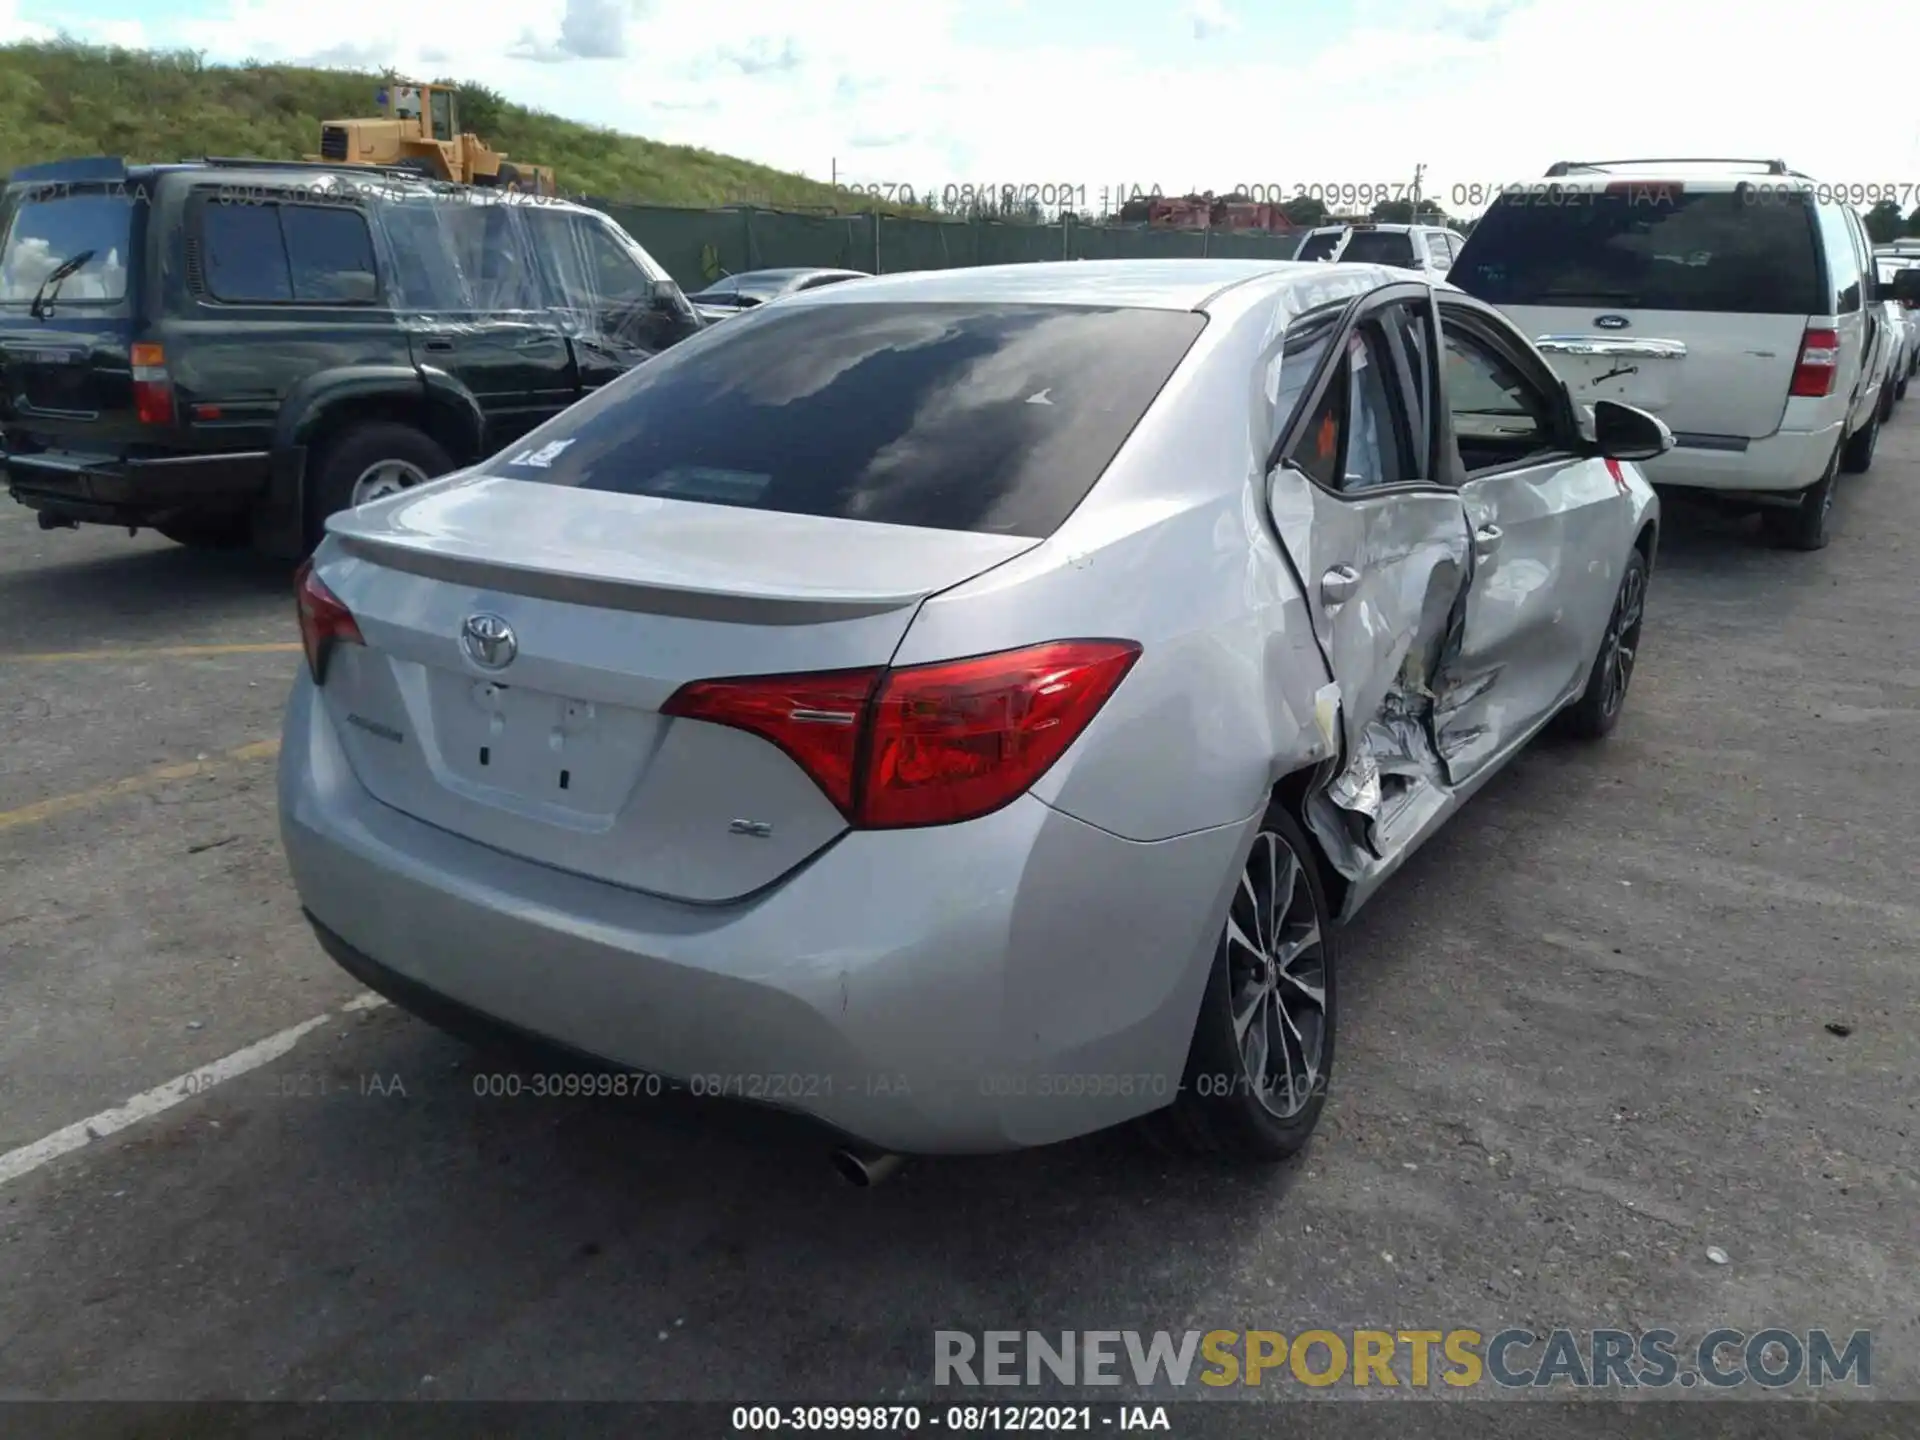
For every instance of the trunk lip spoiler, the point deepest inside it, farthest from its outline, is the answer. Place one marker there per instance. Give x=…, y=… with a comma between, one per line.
x=761, y=607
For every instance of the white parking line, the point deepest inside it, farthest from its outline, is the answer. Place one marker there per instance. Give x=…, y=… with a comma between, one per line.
x=149, y=1103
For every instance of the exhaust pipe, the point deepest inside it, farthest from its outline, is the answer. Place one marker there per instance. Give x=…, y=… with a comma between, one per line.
x=865, y=1168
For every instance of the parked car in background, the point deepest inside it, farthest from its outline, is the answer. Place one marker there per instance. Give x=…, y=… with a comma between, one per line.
x=1722, y=296
x=231, y=351
x=742, y=292
x=907, y=688
x=1909, y=313
x=1899, y=328
x=1429, y=249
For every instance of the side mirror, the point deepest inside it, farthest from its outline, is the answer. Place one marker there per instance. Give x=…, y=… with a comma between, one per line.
x=1906, y=286
x=1622, y=432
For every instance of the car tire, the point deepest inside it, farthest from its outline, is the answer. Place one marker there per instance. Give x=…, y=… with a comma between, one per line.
x=346, y=465
x=1900, y=390
x=1598, y=709
x=1222, y=1109
x=215, y=532
x=1803, y=526
x=1856, y=458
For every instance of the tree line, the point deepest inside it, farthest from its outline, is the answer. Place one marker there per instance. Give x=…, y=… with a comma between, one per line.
x=1304, y=212
x=1884, y=221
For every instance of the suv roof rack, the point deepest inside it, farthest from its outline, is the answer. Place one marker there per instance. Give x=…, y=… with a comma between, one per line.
x=242, y=162
x=1772, y=167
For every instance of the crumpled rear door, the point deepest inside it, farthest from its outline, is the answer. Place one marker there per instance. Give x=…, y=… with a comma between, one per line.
x=1382, y=549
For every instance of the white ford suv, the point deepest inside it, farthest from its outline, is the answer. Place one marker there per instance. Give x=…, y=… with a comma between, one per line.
x=1727, y=297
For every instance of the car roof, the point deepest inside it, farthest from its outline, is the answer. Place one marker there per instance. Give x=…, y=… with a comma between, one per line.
x=265, y=174
x=1129, y=284
x=1582, y=180
x=788, y=272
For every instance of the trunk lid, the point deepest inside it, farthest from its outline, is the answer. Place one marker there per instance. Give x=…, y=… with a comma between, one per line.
x=67, y=372
x=558, y=753
x=1709, y=374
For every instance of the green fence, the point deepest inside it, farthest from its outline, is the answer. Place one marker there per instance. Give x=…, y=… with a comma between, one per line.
x=699, y=246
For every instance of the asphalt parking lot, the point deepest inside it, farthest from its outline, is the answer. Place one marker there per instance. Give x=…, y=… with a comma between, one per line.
x=1587, y=1035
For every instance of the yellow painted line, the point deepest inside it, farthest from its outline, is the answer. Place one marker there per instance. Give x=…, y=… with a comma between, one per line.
x=85, y=799
x=157, y=652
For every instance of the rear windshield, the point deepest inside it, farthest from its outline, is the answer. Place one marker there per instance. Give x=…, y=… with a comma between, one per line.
x=44, y=233
x=1320, y=246
x=764, y=287
x=1649, y=247
x=994, y=418
x=1378, y=247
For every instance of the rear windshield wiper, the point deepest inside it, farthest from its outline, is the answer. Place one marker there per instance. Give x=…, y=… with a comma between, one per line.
x=50, y=287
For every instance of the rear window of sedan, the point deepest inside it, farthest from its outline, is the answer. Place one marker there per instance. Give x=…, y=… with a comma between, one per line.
x=1379, y=247
x=991, y=418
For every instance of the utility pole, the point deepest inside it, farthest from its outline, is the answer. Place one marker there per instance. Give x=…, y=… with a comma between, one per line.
x=1418, y=171
x=836, y=172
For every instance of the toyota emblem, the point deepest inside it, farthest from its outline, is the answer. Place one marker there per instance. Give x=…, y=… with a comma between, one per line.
x=489, y=641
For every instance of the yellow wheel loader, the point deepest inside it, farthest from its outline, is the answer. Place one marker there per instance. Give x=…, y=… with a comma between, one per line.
x=418, y=128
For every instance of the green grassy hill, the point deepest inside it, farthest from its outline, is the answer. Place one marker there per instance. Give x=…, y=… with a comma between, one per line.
x=63, y=99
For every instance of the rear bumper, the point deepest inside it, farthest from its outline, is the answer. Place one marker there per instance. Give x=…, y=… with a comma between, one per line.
x=146, y=491
x=1014, y=981
x=1784, y=462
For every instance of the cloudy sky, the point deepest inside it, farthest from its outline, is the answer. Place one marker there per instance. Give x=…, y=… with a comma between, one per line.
x=1103, y=93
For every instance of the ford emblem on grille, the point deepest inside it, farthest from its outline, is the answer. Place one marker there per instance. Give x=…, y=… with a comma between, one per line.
x=488, y=641
x=1610, y=322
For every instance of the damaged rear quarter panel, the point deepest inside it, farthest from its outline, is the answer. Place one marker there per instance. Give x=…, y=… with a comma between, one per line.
x=1170, y=549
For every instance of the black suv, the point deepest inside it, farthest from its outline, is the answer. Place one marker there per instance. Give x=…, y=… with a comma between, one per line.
x=229, y=351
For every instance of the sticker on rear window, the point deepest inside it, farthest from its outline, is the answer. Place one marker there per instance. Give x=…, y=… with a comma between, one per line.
x=543, y=457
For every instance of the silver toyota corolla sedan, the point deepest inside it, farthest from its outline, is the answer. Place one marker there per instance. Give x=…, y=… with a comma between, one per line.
x=963, y=706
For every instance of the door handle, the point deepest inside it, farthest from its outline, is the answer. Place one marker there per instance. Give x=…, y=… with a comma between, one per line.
x=528, y=342
x=1486, y=540
x=439, y=344
x=1338, y=584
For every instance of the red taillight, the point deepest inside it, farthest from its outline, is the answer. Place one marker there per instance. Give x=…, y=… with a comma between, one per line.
x=324, y=621
x=816, y=719
x=934, y=744
x=954, y=741
x=1819, y=362
x=152, y=386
